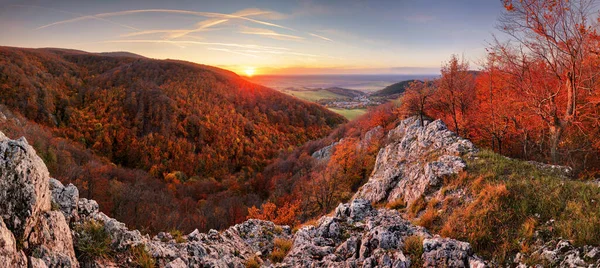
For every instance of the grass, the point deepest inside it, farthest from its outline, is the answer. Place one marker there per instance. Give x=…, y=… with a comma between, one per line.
x=253, y=263
x=281, y=247
x=413, y=247
x=177, y=235
x=142, y=258
x=350, y=114
x=511, y=200
x=397, y=204
x=93, y=242
x=313, y=95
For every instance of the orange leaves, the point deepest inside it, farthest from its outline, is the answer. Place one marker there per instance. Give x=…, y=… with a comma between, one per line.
x=285, y=215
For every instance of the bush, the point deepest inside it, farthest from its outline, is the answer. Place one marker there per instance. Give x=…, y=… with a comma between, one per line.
x=413, y=247
x=281, y=247
x=396, y=204
x=177, y=235
x=142, y=258
x=92, y=241
x=253, y=263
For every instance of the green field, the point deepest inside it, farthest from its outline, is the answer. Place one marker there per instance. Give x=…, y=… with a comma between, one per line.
x=349, y=113
x=312, y=95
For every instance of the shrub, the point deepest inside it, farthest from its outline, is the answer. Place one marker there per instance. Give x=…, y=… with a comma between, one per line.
x=396, y=204
x=413, y=247
x=280, y=249
x=177, y=235
x=253, y=263
x=92, y=241
x=142, y=258
x=417, y=206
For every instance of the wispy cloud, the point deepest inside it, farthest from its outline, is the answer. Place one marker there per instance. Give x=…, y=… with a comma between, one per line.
x=320, y=36
x=233, y=51
x=176, y=11
x=183, y=42
x=269, y=33
x=81, y=15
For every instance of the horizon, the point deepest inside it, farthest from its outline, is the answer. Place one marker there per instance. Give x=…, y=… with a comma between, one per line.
x=264, y=38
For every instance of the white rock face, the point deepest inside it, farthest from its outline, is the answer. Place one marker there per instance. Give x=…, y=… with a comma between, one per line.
x=23, y=186
x=25, y=207
x=415, y=161
x=65, y=197
x=9, y=255
x=360, y=236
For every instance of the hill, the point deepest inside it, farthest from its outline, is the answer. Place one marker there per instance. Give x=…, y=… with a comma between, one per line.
x=394, y=90
x=199, y=131
x=318, y=94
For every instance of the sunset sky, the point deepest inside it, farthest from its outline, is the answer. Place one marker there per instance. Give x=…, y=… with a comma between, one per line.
x=271, y=37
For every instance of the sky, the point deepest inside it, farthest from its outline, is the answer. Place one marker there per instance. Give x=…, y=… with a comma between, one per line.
x=264, y=37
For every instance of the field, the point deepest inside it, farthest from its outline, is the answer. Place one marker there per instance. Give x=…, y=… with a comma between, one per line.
x=312, y=95
x=350, y=114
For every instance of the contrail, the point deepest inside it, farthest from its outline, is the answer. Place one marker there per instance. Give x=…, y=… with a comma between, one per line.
x=247, y=46
x=77, y=14
x=176, y=11
x=322, y=37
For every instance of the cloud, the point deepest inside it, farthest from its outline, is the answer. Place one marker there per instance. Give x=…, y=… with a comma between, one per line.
x=184, y=42
x=81, y=15
x=269, y=33
x=233, y=51
x=320, y=36
x=175, y=11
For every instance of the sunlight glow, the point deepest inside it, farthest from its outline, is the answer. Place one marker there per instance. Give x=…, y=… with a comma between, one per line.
x=250, y=71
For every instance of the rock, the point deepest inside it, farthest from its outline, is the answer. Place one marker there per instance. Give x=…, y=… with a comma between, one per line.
x=67, y=198
x=415, y=162
x=24, y=189
x=360, y=236
x=325, y=152
x=86, y=207
x=177, y=263
x=53, y=241
x=445, y=252
x=25, y=203
x=9, y=255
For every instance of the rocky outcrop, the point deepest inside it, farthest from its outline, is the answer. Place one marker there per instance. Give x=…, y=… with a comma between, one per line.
x=28, y=223
x=325, y=152
x=357, y=235
x=415, y=161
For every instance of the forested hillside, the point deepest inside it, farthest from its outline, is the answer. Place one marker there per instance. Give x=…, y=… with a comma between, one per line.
x=197, y=130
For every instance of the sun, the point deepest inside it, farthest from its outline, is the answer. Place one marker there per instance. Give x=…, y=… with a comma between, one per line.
x=250, y=71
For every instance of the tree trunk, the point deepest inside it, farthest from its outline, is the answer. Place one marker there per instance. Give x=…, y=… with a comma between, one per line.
x=555, y=136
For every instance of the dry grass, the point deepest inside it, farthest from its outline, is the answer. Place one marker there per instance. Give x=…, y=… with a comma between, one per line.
x=281, y=247
x=413, y=247
x=396, y=204
x=511, y=200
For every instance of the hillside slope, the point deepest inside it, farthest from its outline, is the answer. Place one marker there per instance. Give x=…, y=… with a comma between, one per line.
x=160, y=116
x=393, y=90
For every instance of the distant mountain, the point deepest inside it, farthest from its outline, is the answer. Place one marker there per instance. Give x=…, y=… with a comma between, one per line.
x=393, y=90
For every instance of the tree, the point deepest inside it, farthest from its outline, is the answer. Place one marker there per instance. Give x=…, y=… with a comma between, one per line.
x=455, y=92
x=416, y=99
x=555, y=36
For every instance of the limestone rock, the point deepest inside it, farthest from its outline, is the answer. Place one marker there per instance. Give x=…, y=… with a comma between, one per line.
x=415, y=161
x=360, y=236
x=65, y=197
x=23, y=186
x=9, y=255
